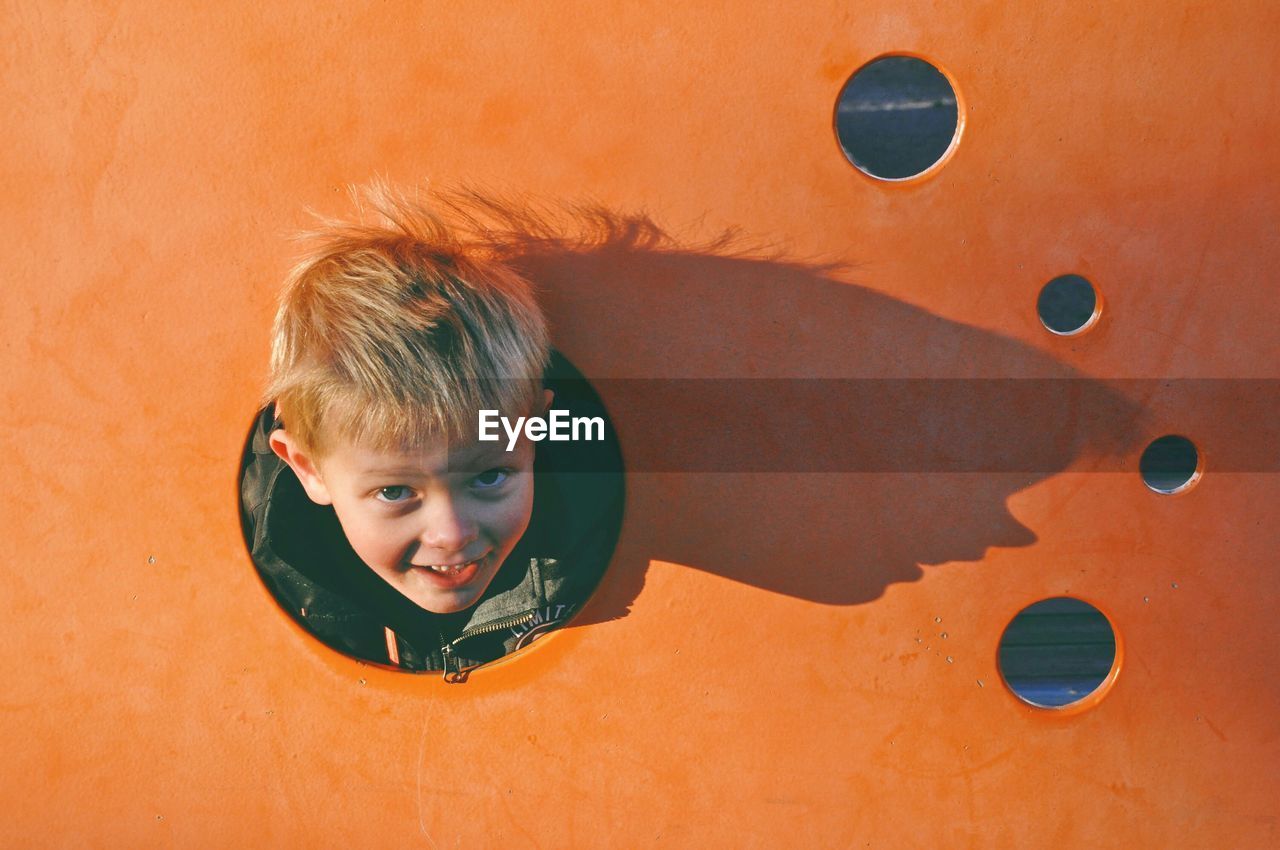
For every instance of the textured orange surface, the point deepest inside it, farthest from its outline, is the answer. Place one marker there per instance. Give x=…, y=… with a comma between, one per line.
x=749, y=674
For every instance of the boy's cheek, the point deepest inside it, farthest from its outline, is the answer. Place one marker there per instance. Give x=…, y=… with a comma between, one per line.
x=368, y=540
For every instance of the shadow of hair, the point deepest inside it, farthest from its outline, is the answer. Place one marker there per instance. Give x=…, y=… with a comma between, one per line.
x=784, y=426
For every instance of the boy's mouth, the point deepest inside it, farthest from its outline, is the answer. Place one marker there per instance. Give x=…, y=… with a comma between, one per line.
x=451, y=575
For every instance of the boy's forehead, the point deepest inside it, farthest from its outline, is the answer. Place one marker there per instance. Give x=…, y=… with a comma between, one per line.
x=435, y=458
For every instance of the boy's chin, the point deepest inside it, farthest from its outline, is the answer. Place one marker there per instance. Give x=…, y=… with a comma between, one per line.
x=450, y=602
x=437, y=605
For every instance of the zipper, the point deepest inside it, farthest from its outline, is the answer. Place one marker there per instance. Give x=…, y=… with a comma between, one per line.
x=497, y=625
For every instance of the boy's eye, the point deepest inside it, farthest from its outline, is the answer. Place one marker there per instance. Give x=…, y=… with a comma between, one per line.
x=490, y=478
x=397, y=493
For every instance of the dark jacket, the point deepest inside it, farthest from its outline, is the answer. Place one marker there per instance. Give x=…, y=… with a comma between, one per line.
x=311, y=569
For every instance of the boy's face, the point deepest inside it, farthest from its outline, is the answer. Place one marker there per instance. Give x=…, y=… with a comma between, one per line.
x=435, y=524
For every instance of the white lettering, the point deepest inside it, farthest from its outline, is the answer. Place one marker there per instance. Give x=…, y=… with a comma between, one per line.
x=485, y=425
x=587, y=423
x=559, y=425
x=512, y=433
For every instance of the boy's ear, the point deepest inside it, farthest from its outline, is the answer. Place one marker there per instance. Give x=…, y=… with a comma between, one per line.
x=284, y=445
x=547, y=396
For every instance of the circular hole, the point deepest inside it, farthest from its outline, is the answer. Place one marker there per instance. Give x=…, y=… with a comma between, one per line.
x=1170, y=464
x=1057, y=652
x=897, y=117
x=302, y=553
x=1068, y=305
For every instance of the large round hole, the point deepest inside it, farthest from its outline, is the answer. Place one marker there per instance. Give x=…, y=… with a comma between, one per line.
x=1057, y=652
x=1068, y=305
x=897, y=117
x=1170, y=464
x=305, y=557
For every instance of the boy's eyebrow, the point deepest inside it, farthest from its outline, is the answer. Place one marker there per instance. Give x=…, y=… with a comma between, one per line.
x=390, y=470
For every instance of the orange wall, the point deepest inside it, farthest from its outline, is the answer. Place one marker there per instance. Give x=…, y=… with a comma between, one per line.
x=749, y=674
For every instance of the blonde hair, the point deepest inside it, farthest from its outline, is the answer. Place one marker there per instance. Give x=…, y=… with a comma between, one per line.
x=395, y=333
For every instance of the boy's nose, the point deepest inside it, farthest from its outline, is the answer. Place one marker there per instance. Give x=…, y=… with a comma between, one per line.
x=448, y=531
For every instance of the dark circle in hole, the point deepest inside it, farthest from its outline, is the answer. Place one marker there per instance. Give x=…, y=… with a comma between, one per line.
x=1169, y=464
x=896, y=117
x=302, y=555
x=1067, y=304
x=1057, y=652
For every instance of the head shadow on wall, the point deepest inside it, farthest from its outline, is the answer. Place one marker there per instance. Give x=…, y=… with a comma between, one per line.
x=785, y=427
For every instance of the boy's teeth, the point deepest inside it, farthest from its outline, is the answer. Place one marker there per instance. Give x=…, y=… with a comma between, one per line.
x=447, y=569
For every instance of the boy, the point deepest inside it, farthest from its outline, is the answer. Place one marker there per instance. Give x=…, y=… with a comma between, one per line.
x=371, y=508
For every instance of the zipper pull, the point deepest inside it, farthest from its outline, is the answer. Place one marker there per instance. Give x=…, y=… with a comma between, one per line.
x=456, y=676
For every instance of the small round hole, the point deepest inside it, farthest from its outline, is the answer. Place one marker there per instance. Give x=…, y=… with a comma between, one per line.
x=1170, y=464
x=1057, y=652
x=304, y=555
x=897, y=117
x=1068, y=305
